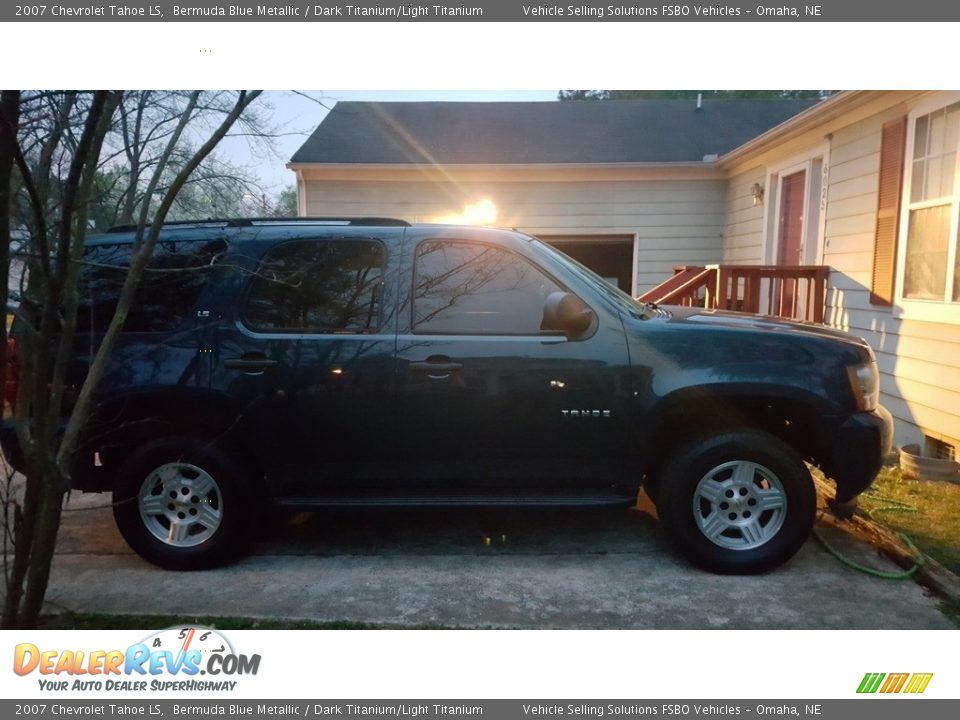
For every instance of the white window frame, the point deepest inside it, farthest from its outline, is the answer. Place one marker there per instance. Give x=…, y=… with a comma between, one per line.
x=815, y=162
x=816, y=181
x=945, y=310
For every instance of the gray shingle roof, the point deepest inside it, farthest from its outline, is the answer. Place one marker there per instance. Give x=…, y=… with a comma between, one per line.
x=607, y=131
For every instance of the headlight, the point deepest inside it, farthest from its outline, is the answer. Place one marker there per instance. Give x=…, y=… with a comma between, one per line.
x=865, y=383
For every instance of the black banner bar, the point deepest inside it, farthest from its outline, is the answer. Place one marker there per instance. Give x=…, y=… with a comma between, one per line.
x=872, y=708
x=483, y=11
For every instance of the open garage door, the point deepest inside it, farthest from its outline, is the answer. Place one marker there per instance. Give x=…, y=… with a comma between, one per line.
x=610, y=256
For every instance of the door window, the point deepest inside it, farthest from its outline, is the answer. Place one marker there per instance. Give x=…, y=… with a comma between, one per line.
x=169, y=288
x=318, y=286
x=468, y=288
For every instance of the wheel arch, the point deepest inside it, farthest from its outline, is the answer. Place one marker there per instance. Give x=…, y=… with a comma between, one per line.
x=121, y=423
x=693, y=412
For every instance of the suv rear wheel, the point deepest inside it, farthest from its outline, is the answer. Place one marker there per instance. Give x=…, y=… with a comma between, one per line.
x=182, y=504
x=737, y=502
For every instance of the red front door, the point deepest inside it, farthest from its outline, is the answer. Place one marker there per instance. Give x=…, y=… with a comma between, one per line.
x=791, y=219
x=790, y=247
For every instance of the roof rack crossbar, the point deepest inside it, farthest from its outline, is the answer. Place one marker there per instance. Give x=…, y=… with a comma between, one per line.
x=251, y=222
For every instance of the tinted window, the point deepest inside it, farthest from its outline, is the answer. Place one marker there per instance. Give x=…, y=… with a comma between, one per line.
x=468, y=288
x=318, y=286
x=168, y=290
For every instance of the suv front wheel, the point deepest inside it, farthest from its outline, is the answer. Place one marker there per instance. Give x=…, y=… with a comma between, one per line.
x=182, y=504
x=737, y=502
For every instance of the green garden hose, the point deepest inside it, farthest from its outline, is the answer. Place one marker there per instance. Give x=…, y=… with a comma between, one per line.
x=889, y=505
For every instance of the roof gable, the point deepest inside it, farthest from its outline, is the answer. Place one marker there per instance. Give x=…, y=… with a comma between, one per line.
x=508, y=133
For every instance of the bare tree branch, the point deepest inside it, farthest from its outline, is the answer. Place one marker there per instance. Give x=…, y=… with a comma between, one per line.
x=142, y=256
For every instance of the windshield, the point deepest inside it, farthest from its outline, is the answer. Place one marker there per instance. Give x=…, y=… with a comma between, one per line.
x=617, y=296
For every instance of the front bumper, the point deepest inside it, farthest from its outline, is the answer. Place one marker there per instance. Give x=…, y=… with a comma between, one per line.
x=854, y=449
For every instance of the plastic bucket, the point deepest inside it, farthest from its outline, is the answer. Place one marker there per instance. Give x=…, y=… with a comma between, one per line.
x=915, y=465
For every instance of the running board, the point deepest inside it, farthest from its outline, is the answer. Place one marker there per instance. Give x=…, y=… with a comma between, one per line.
x=461, y=501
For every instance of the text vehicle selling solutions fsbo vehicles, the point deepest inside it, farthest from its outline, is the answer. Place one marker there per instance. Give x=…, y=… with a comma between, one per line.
x=360, y=362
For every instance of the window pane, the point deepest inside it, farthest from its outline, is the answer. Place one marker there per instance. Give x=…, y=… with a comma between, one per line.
x=953, y=126
x=918, y=175
x=168, y=291
x=318, y=286
x=934, y=151
x=932, y=186
x=466, y=288
x=947, y=172
x=938, y=123
x=956, y=271
x=925, y=276
x=920, y=139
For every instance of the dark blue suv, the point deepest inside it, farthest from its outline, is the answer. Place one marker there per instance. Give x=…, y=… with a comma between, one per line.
x=360, y=362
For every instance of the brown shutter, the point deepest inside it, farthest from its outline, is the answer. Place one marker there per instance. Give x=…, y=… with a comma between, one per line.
x=892, y=146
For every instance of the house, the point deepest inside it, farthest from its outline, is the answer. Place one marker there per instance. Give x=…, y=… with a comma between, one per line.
x=628, y=188
x=843, y=211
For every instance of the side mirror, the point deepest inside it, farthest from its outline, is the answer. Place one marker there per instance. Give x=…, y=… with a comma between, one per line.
x=567, y=313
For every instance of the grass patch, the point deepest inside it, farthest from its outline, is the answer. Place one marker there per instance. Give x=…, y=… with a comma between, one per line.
x=930, y=513
x=102, y=621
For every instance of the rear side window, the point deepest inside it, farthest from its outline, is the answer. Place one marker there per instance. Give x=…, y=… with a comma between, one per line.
x=317, y=286
x=168, y=291
x=465, y=288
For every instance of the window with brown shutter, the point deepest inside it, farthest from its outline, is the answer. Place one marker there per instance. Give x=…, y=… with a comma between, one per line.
x=892, y=145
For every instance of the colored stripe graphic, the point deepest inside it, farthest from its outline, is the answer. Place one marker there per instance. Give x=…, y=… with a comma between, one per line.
x=870, y=682
x=918, y=682
x=895, y=682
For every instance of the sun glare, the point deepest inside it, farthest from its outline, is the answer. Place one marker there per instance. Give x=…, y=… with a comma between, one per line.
x=482, y=212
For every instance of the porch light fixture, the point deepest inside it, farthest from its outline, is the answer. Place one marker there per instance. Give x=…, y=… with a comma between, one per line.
x=757, y=194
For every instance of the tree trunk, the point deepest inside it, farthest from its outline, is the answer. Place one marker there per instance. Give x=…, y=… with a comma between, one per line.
x=44, y=536
x=48, y=340
x=9, y=122
x=36, y=526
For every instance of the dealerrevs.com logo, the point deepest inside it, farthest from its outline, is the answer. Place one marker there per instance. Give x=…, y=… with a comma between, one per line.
x=894, y=683
x=183, y=653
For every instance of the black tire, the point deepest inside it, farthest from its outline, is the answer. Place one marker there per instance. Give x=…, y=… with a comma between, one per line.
x=191, y=463
x=743, y=474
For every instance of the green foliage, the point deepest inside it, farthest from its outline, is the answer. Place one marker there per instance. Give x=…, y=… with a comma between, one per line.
x=934, y=527
x=285, y=204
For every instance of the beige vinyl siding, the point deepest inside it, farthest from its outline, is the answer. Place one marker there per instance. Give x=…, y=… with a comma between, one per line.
x=919, y=361
x=675, y=221
x=743, y=234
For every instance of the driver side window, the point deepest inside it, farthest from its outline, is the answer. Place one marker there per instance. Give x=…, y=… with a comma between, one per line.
x=466, y=288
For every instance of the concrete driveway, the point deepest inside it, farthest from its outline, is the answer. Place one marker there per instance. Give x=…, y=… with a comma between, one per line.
x=470, y=568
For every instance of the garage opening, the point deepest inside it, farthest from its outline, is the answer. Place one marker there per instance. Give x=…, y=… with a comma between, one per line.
x=610, y=256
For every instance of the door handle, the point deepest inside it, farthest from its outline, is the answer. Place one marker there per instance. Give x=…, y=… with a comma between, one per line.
x=427, y=366
x=436, y=366
x=250, y=363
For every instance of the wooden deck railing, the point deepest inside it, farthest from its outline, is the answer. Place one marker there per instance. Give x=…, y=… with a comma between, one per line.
x=796, y=292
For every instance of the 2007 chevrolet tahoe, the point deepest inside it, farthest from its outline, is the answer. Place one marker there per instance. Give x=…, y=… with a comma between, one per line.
x=371, y=362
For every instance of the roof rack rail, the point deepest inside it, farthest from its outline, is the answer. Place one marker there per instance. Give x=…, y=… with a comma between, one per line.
x=252, y=222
